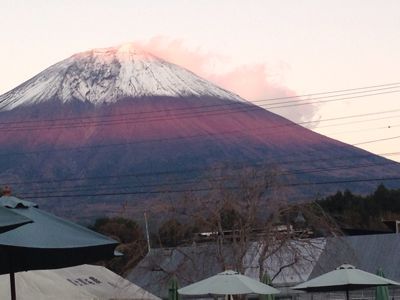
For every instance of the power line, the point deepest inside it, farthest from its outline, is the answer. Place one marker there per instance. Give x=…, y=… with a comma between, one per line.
x=344, y=181
x=334, y=91
x=378, y=140
x=382, y=179
x=333, y=100
x=357, y=122
x=212, y=134
x=199, y=170
x=290, y=124
x=365, y=129
x=228, y=103
x=244, y=108
x=199, y=181
x=337, y=95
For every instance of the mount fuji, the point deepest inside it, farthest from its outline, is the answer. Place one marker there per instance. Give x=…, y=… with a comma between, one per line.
x=107, y=128
x=104, y=76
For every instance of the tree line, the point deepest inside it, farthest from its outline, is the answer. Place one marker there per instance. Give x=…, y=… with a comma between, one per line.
x=363, y=212
x=255, y=211
x=238, y=225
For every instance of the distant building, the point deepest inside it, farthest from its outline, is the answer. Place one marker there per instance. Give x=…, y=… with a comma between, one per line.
x=304, y=261
x=190, y=264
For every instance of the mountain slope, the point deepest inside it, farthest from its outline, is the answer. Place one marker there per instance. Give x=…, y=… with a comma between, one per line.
x=113, y=125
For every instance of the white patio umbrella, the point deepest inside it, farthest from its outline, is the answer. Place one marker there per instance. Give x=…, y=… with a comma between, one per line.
x=344, y=278
x=227, y=283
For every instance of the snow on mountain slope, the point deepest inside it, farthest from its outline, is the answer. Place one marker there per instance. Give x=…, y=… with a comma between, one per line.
x=108, y=74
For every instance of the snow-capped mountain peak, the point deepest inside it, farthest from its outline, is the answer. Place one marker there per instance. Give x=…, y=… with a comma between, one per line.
x=123, y=52
x=106, y=75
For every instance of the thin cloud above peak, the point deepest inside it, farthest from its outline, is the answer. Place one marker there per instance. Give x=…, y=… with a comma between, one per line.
x=250, y=81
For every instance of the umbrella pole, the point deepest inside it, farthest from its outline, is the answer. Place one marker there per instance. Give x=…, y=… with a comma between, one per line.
x=347, y=294
x=12, y=286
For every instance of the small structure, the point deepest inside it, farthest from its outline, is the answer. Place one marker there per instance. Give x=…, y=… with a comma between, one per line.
x=393, y=225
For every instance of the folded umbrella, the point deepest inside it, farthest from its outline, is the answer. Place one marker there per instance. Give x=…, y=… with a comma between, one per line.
x=267, y=280
x=173, y=289
x=381, y=292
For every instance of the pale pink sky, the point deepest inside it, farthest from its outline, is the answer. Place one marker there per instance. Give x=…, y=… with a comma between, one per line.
x=259, y=49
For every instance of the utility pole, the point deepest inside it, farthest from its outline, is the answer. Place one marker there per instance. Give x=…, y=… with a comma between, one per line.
x=147, y=232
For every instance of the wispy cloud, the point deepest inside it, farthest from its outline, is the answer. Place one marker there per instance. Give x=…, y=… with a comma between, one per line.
x=250, y=81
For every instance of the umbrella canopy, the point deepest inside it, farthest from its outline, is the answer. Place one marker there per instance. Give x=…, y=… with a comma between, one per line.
x=10, y=220
x=227, y=283
x=173, y=287
x=49, y=242
x=381, y=292
x=344, y=278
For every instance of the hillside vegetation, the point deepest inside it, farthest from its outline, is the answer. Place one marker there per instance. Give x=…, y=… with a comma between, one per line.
x=364, y=212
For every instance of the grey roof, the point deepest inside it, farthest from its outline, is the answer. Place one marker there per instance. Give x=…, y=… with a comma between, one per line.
x=187, y=264
x=307, y=259
x=366, y=252
x=191, y=264
x=291, y=264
